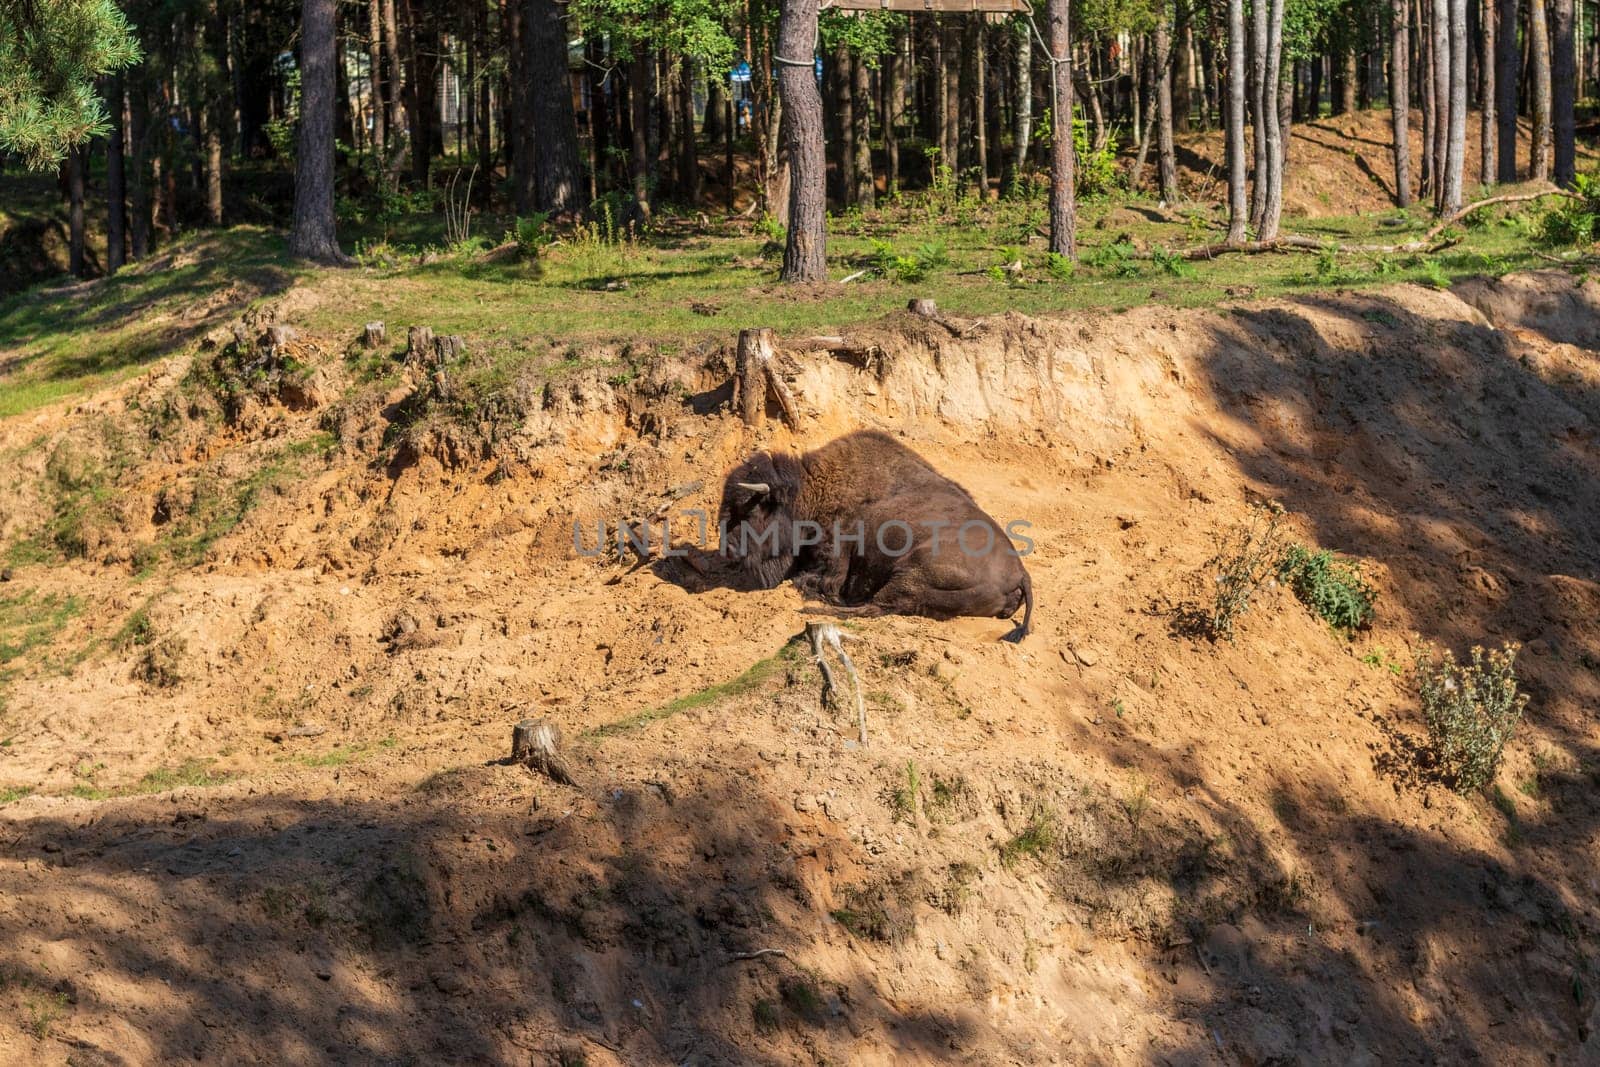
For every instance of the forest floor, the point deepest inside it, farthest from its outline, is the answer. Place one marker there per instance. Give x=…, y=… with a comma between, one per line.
x=266, y=624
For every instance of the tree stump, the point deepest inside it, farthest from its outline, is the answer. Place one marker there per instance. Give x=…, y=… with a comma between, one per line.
x=536, y=743
x=374, y=335
x=757, y=376
x=277, y=336
x=924, y=307
x=448, y=347
x=754, y=357
x=419, y=344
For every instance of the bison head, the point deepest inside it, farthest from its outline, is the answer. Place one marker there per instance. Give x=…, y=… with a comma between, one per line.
x=757, y=518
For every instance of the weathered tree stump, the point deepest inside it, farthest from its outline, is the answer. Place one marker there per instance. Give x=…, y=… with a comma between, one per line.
x=757, y=377
x=448, y=347
x=419, y=344
x=374, y=335
x=277, y=336
x=754, y=356
x=923, y=306
x=536, y=743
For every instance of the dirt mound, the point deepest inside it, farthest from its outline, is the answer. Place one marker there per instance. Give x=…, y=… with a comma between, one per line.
x=1338, y=165
x=269, y=817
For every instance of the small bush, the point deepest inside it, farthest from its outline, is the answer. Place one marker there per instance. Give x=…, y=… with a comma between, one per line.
x=1573, y=221
x=1247, y=558
x=531, y=233
x=1471, y=711
x=1335, y=589
x=1035, y=841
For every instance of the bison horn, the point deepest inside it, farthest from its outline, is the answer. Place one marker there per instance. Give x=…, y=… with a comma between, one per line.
x=755, y=487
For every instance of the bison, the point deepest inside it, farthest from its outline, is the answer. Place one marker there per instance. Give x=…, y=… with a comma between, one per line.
x=866, y=525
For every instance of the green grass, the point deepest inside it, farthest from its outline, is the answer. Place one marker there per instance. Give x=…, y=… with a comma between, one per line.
x=29, y=620
x=1035, y=839
x=686, y=281
x=752, y=679
x=11, y=793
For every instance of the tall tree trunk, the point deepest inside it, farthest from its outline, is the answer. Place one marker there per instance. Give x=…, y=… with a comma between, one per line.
x=394, y=75
x=1022, y=109
x=211, y=138
x=805, y=252
x=1165, y=120
x=688, y=151
x=139, y=184
x=1272, y=213
x=312, y=236
x=1238, y=203
x=116, y=180
x=75, y=241
x=1349, y=76
x=837, y=122
x=1563, y=91
x=1487, y=96
x=1539, y=42
x=892, y=83
x=1506, y=74
x=375, y=79
x=1456, y=137
x=638, y=131
x=1400, y=99
x=1063, y=171
x=1182, y=73
x=863, y=191
x=524, y=138
x=1440, y=37
x=950, y=80
x=558, y=173
x=1262, y=98
x=712, y=126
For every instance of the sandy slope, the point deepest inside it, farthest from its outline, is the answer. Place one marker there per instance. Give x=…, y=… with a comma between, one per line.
x=1247, y=867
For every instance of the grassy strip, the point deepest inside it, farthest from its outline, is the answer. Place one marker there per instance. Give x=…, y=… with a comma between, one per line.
x=752, y=679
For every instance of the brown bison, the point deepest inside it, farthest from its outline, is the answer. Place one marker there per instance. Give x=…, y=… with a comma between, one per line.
x=866, y=525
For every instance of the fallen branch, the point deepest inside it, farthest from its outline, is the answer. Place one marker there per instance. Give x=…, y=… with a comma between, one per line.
x=756, y=955
x=822, y=634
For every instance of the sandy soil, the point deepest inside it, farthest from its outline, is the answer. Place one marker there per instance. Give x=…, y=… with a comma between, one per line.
x=1246, y=866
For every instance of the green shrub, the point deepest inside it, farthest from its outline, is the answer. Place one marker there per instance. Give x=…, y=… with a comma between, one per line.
x=1471, y=711
x=1246, y=557
x=1335, y=589
x=531, y=233
x=1573, y=221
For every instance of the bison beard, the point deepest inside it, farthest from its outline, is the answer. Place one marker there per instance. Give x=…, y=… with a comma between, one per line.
x=775, y=503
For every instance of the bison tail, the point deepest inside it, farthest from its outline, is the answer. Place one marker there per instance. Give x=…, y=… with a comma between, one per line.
x=1026, y=626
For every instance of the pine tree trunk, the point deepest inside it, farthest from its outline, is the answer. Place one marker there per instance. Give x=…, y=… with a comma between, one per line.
x=1400, y=99
x=116, y=180
x=375, y=67
x=1165, y=119
x=1238, y=203
x=805, y=253
x=1456, y=135
x=1273, y=211
x=863, y=192
x=394, y=76
x=1488, y=94
x=1349, y=73
x=75, y=249
x=1539, y=42
x=1563, y=91
x=1506, y=75
x=1182, y=74
x=711, y=128
x=1063, y=176
x=638, y=132
x=950, y=119
x=1440, y=37
x=139, y=183
x=312, y=235
x=892, y=83
x=1022, y=108
x=688, y=151
x=1260, y=93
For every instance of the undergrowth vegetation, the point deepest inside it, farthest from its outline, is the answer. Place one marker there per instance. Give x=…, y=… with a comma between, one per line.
x=1335, y=589
x=1471, y=710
